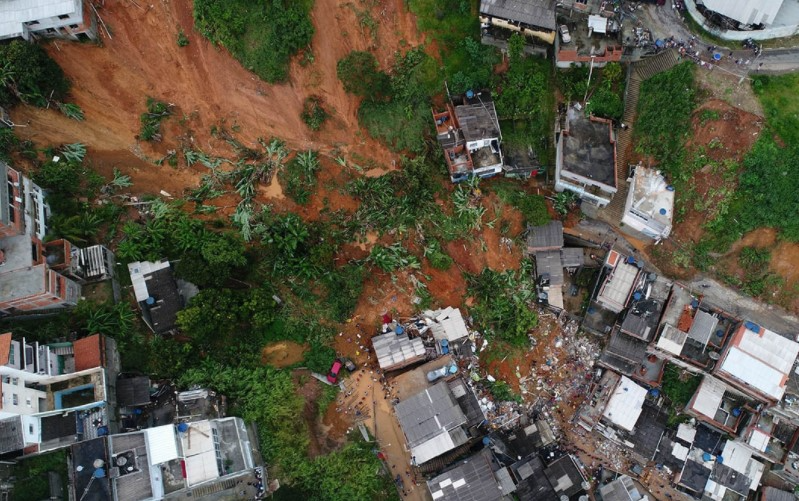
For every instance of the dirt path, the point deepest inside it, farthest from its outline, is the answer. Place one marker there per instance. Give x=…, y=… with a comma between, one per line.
x=208, y=87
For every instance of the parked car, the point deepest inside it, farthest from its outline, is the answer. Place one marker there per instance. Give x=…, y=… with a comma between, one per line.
x=438, y=373
x=332, y=376
x=348, y=364
x=564, y=34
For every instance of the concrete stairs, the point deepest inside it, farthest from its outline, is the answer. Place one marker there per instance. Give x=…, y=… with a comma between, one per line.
x=639, y=71
x=213, y=488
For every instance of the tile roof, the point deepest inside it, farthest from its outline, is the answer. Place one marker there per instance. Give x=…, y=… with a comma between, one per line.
x=549, y=263
x=546, y=237
x=5, y=347
x=89, y=352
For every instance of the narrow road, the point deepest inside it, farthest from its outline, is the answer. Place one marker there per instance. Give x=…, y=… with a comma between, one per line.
x=665, y=22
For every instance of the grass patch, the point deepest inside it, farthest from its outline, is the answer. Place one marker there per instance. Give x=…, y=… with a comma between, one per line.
x=780, y=103
x=157, y=112
x=314, y=113
x=299, y=176
x=678, y=386
x=261, y=35
x=33, y=484
x=402, y=126
x=532, y=207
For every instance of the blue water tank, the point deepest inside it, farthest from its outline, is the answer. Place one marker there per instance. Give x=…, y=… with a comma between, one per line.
x=719, y=459
x=637, y=296
x=150, y=300
x=631, y=260
x=695, y=303
x=102, y=431
x=469, y=94
x=99, y=473
x=399, y=330
x=752, y=326
x=736, y=412
x=670, y=188
x=453, y=369
x=183, y=427
x=663, y=211
x=654, y=392
x=720, y=333
x=706, y=456
x=486, y=441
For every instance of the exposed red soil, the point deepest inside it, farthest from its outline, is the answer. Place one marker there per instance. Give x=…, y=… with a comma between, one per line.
x=282, y=353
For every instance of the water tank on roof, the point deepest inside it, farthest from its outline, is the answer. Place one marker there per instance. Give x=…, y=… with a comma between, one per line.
x=630, y=260
x=486, y=441
x=720, y=333
x=637, y=296
x=183, y=427
x=713, y=355
x=694, y=303
x=663, y=211
x=654, y=392
x=752, y=326
x=150, y=300
x=469, y=94
x=670, y=188
x=399, y=330
x=707, y=457
x=453, y=369
x=719, y=459
x=736, y=412
x=99, y=473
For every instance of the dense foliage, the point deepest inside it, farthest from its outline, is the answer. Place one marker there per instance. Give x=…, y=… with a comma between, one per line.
x=503, y=309
x=665, y=106
x=262, y=35
x=780, y=103
x=314, y=113
x=360, y=75
x=28, y=74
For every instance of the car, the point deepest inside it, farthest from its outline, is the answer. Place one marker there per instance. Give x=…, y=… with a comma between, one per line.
x=332, y=376
x=348, y=364
x=438, y=373
x=564, y=34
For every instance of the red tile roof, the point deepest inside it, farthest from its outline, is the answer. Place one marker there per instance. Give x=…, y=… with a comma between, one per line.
x=5, y=347
x=89, y=352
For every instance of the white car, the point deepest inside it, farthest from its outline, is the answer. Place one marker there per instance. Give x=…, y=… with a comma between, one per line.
x=564, y=34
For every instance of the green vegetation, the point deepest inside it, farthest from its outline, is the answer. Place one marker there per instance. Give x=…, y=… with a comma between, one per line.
x=532, y=207
x=665, y=106
x=262, y=35
x=360, y=75
x=503, y=304
x=29, y=75
x=678, y=386
x=32, y=483
x=299, y=176
x=313, y=113
x=525, y=94
x=502, y=392
x=182, y=39
x=780, y=103
x=151, y=120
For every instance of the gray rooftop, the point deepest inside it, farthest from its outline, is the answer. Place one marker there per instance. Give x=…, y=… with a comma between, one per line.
x=572, y=257
x=549, y=263
x=774, y=494
x=429, y=413
x=565, y=477
x=394, y=351
x=546, y=237
x=17, y=252
x=478, y=120
x=11, y=435
x=472, y=480
x=134, y=470
x=703, y=327
x=621, y=489
x=588, y=150
x=624, y=353
x=731, y=479
x=538, y=13
x=22, y=283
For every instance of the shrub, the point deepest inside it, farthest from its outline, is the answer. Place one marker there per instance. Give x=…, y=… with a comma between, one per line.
x=262, y=35
x=360, y=75
x=314, y=113
x=606, y=103
x=151, y=120
x=401, y=126
x=28, y=74
x=183, y=40
x=299, y=176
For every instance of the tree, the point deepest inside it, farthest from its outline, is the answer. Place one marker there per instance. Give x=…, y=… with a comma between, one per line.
x=28, y=74
x=359, y=73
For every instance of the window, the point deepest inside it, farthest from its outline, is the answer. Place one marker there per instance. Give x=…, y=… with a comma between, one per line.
x=15, y=399
x=30, y=429
x=63, y=16
x=33, y=23
x=6, y=380
x=73, y=26
x=15, y=381
x=11, y=355
x=28, y=402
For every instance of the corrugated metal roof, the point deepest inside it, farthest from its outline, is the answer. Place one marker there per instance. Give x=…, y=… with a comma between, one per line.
x=472, y=480
x=540, y=13
x=709, y=396
x=617, y=287
x=427, y=419
x=703, y=327
x=161, y=444
x=672, y=339
x=571, y=257
x=394, y=351
x=138, y=270
x=546, y=237
x=448, y=324
x=549, y=263
x=746, y=11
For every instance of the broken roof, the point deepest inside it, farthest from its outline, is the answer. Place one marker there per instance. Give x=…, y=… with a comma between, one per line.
x=157, y=293
x=546, y=237
x=539, y=13
x=533, y=482
x=394, y=351
x=625, y=404
x=694, y=476
x=624, y=353
x=138, y=271
x=588, y=149
x=471, y=480
x=759, y=359
x=447, y=324
x=621, y=489
x=672, y=339
x=571, y=257
x=431, y=421
x=642, y=319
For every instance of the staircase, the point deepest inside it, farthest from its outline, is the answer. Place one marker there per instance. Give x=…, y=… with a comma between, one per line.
x=213, y=488
x=639, y=71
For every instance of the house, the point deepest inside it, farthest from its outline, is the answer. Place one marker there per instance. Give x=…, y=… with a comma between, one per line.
x=594, y=35
x=548, y=237
x=55, y=395
x=774, y=494
x=396, y=350
x=533, y=18
x=468, y=131
x=617, y=281
x=720, y=405
x=477, y=477
x=585, y=161
x=737, y=473
x=566, y=478
x=71, y=19
x=36, y=275
x=438, y=419
x=133, y=391
x=758, y=362
x=746, y=13
x=621, y=489
x=203, y=460
x=157, y=293
x=650, y=204
x=532, y=481
x=545, y=244
x=625, y=404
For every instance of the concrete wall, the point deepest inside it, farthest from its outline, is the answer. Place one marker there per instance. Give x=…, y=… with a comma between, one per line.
x=767, y=34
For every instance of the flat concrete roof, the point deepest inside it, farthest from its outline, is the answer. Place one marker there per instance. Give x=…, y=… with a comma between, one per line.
x=22, y=283
x=17, y=251
x=588, y=150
